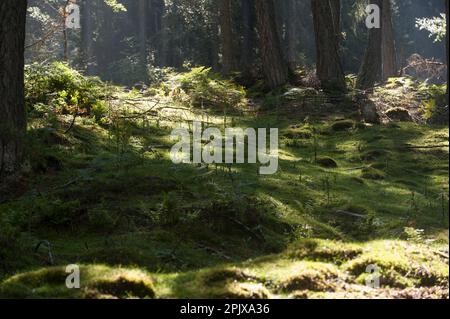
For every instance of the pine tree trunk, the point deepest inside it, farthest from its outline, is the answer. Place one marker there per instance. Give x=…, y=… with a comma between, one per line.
x=446, y=40
x=12, y=104
x=336, y=13
x=214, y=41
x=248, y=36
x=226, y=28
x=371, y=68
x=388, y=44
x=291, y=34
x=87, y=37
x=329, y=65
x=275, y=67
x=142, y=6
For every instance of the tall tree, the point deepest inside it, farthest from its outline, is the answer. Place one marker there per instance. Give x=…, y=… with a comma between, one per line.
x=229, y=63
x=87, y=35
x=326, y=18
x=389, y=55
x=142, y=12
x=275, y=68
x=291, y=33
x=446, y=38
x=12, y=104
x=248, y=35
x=371, y=68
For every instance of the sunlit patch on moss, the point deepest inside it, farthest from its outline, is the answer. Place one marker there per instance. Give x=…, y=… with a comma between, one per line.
x=96, y=282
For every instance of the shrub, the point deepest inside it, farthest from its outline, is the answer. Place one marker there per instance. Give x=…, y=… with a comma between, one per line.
x=57, y=87
x=207, y=89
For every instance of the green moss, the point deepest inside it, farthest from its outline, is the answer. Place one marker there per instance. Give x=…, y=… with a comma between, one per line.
x=96, y=282
x=372, y=173
x=343, y=125
x=398, y=114
x=225, y=274
x=125, y=286
x=371, y=155
x=330, y=251
x=326, y=161
x=318, y=278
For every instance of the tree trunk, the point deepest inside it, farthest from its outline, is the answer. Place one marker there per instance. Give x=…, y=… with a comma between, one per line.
x=226, y=28
x=371, y=68
x=142, y=6
x=87, y=37
x=329, y=65
x=446, y=40
x=214, y=38
x=275, y=67
x=389, y=57
x=12, y=104
x=248, y=36
x=336, y=13
x=291, y=34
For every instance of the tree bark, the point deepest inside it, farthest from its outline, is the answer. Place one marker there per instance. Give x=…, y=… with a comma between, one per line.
x=291, y=34
x=12, y=102
x=388, y=44
x=226, y=28
x=446, y=40
x=275, y=68
x=87, y=37
x=327, y=29
x=142, y=6
x=248, y=36
x=371, y=68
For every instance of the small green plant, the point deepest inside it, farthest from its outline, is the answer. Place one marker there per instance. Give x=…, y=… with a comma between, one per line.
x=60, y=88
x=207, y=89
x=414, y=235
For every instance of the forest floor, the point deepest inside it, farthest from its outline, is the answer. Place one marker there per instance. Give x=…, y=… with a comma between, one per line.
x=347, y=196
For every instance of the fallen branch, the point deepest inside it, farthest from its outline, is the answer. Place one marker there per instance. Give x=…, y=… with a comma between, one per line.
x=217, y=252
x=343, y=212
x=424, y=147
x=246, y=228
x=440, y=253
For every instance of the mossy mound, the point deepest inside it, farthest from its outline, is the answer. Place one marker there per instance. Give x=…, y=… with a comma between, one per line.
x=342, y=125
x=320, y=250
x=218, y=275
x=326, y=161
x=371, y=155
x=321, y=277
x=124, y=286
x=372, y=173
x=400, y=265
x=235, y=290
x=96, y=282
x=298, y=132
x=399, y=114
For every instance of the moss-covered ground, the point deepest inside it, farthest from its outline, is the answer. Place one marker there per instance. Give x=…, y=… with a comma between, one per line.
x=105, y=195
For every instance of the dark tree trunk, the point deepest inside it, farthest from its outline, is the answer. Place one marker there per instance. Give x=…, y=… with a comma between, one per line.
x=142, y=7
x=329, y=65
x=446, y=39
x=214, y=41
x=291, y=33
x=87, y=37
x=371, y=68
x=160, y=9
x=248, y=36
x=388, y=45
x=275, y=67
x=226, y=28
x=105, y=51
x=336, y=14
x=12, y=104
